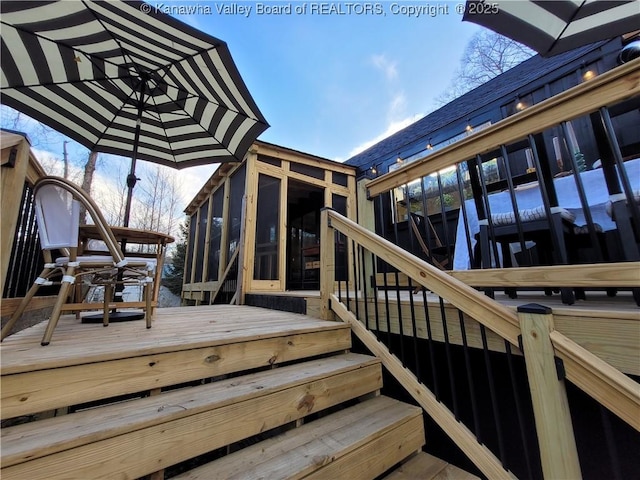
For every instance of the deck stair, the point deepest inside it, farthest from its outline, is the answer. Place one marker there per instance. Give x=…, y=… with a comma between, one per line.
x=243, y=392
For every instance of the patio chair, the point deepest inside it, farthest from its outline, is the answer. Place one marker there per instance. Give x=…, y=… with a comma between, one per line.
x=57, y=207
x=530, y=225
x=626, y=214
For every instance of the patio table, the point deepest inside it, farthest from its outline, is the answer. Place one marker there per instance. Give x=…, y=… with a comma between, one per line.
x=529, y=196
x=132, y=236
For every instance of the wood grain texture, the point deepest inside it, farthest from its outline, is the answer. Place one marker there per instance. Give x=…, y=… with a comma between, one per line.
x=106, y=442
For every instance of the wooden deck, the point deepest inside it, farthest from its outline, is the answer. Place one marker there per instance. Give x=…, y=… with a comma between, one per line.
x=173, y=329
x=201, y=379
x=85, y=362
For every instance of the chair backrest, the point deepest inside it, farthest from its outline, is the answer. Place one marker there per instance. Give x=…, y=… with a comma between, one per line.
x=58, y=214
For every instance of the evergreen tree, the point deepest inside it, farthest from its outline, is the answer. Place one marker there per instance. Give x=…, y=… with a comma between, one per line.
x=174, y=278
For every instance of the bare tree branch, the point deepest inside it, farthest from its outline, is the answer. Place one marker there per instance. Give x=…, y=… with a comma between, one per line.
x=487, y=55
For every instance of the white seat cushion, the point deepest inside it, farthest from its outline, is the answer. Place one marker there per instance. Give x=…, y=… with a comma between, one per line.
x=149, y=263
x=528, y=215
x=620, y=196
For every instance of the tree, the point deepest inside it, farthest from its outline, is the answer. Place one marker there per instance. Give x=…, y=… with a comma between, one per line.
x=175, y=267
x=87, y=179
x=487, y=55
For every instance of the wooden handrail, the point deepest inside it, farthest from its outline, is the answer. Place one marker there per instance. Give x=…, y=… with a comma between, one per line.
x=611, y=87
x=593, y=375
x=603, y=275
x=491, y=314
x=598, y=379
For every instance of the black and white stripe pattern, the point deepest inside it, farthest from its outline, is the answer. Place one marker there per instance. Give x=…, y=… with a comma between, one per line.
x=77, y=66
x=551, y=27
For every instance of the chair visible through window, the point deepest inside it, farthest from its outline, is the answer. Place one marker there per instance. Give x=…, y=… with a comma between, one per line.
x=57, y=206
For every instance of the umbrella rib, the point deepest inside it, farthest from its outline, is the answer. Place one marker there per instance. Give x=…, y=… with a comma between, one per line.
x=192, y=91
x=566, y=25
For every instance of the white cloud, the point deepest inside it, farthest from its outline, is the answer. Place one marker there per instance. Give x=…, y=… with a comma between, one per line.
x=386, y=66
x=392, y=128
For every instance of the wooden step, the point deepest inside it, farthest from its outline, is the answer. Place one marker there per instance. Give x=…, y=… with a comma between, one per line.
x=423, y=466
x=135, y=438
x=360, y=442
x=87, y=362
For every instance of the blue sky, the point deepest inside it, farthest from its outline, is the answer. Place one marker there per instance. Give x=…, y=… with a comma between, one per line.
x=329, y=84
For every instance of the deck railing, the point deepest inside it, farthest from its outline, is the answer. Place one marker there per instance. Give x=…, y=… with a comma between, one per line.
x=21, y=254
x=413, y=189
x=439, y=337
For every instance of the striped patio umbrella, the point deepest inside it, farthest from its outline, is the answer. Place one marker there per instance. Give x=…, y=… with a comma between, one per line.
x=551, y=27
x=124, y=78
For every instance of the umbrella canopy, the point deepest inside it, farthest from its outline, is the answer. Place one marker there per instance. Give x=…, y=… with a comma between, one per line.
x=124, y=78
x=553, y=27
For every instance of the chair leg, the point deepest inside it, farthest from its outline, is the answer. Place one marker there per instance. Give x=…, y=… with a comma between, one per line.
x=65, y=286
x=108, y=296
x=148, y=288
x=485, y=255
x=560, y=256
x=23, y=305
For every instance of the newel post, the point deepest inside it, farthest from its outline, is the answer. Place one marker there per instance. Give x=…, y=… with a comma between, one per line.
x=556, y=439
x=327, y=264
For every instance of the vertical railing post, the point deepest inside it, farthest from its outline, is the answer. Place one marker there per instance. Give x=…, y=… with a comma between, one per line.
x=327, y=264
x=558, y=453
x=366, y=218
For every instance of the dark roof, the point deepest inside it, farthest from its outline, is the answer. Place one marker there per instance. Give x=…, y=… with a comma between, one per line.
x=507, y=83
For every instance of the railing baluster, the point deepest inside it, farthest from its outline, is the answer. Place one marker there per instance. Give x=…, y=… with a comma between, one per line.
x=374, y=282
x=365, y=285
x=414, y=331
x=432, y=353
x=493, y=395
x=472, y=390
x=516, y=398
x=400, y=326
x=356, y=277
x=612, y=449
x=447, y=349
x=386, y=308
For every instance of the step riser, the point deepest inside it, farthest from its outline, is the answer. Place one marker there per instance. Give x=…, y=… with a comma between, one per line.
x=170, y=443
x=37, y=391
x=361, y=441
x=377, y=456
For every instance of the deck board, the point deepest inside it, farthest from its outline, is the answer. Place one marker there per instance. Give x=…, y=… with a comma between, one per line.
x=173, y=329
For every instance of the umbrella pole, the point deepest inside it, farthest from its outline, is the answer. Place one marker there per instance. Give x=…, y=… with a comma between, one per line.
x=131, y=182
x=131, y=178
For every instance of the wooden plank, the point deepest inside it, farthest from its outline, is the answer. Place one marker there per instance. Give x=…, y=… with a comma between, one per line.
x=328, y=259
x=192, y=424
x=12, y=181
x=248, y=228
x=36, y=391
x=423, y=466
x=299, y=452
x=610, y=335
x=602, y=275
x=303, y=158
x=558, y=451
x=436, y=323
x=381, y=452
x=481, y=456
x=174, y=329
x=605, y=384
x=607, y=327
x=9, y=305
x=607, y=89
x=37, y=439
